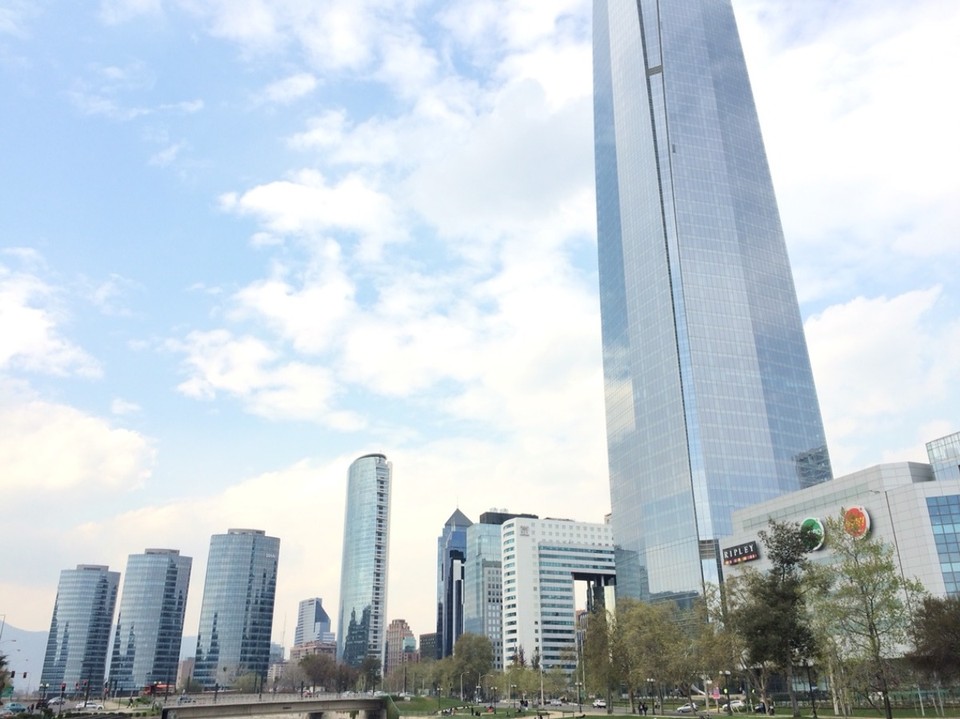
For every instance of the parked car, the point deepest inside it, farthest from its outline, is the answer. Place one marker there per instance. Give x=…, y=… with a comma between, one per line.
x=600, y=703
x=16, y=708
x=736, y=705
x=688, y=708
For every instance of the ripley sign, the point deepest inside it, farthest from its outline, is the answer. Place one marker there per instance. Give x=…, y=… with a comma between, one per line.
x=741, y=553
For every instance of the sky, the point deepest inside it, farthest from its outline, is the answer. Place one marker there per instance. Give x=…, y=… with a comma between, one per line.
x=243, y=242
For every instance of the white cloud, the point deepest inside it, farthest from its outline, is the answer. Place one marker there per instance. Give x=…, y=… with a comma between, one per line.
x=46, y=447
x=307, y=204
x=289, y=89
x=30, y=338
x=885, y=370
x=123, y=407
x=245, y=368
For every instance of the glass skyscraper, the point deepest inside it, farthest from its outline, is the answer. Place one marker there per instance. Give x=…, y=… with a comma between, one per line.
x=80, y=629
x=451, y=553
x=236, y=616
x=146, y=645
x=710, y=398
x=361, y=621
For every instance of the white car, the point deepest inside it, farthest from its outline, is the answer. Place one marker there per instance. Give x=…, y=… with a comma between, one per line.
x=736, y=705
x=600, y=703
x=89, y=705
x=689, y=708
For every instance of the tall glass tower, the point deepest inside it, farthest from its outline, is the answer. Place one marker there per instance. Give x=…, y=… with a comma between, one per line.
x=451, y=555
x=146, y=645
x=363, y=571
x=236, y=616
x=80, y=629
x=710, y=398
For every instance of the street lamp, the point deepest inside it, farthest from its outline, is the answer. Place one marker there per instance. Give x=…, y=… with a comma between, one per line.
x=461, y=686
x=513, y=695
x=579, y=697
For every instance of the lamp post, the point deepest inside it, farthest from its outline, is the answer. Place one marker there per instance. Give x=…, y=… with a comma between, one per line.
x=579, y=697
x=513, y=695
x=461, y=686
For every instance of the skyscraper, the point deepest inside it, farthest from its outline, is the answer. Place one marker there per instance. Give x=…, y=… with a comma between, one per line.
x=313, y=623
x=400, y=646
x=236, y=615
x=146, y=645
x=710, y=398
x=363, y=570
x=80, y=629
x=542, y=561
x=451, y=551
x=483, y=581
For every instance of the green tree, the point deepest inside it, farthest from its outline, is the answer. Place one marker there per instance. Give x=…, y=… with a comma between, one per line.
x=936, y=637
x=472, y=658
x=601, y=676
x=865, y=606
x=319, y=670
x=4, y=672
x=768, y=610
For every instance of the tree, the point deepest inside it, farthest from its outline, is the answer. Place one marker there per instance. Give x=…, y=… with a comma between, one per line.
x=4, y=672
x=472, y=657
x=936, y=637
x=601, y=675
x=320, y=670
x=864, y=608
x=768, y=610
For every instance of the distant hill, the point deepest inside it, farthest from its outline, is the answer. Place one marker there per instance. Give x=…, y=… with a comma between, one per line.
x=24, y=651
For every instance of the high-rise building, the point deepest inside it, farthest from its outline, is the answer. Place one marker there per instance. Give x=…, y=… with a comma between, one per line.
x=236, y=615
x=313, y=623
x=710, y=399
x=429, y=646
x=80, y=629
x=401, y=646
x=451, y=550
x=363, y=571
x=482, y=581
x=542, y=561
x=146, y=644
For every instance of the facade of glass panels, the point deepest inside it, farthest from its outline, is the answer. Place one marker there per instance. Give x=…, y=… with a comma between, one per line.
x=146, y=645
x=313, y=623
x=944, y=454
x=236, y=616
x=451, y=552
x=945, y=523
x=710, y=398
x=362, y=615
x=80, y=629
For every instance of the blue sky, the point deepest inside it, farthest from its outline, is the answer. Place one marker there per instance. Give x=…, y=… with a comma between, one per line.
x=245, y=242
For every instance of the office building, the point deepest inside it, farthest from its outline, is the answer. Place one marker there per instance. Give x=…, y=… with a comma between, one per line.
x=543, y=559
x=710, y=400
x=400, y=648
x=313, y=623
x=236, y=615
x=146, y=644
x=451, y=550
x=482, y=582
x=80, y=629
x=912, y=507
x=361, y=619
x=429, y=646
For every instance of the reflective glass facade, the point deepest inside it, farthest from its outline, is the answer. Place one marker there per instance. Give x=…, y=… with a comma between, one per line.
x=146, y=644
x=363, y=571
x=451, y=552
x=944, y=454
x=710, y=398
x=80, y=629
x=945, y=523
x=236, y=616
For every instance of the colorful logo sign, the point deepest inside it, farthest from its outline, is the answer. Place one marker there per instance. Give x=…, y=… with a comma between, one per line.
x=741, y=553
x=812, y=534
x=856, y=522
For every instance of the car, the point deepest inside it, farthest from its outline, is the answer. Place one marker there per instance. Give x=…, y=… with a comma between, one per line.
x=688, y=708
x=735, y=705
x=16, y=708
x=89, y=704
x=600, y=703
x=56, y=701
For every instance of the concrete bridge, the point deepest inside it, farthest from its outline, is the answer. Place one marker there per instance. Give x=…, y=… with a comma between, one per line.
x=368, y=707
